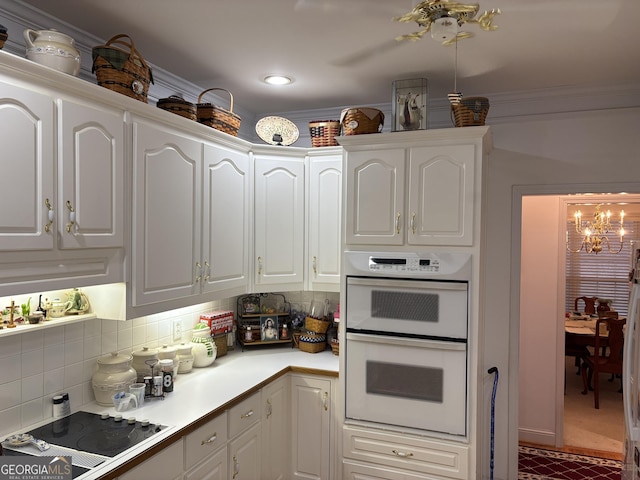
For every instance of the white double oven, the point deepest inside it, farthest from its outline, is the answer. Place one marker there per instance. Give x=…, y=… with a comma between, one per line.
x=406, y=331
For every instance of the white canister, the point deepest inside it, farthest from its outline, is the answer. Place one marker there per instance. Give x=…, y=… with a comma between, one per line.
x=185, y=358
x=53, y=49
x=114, y=374
x=143, y=361
x=168, y=352
x=203, y=346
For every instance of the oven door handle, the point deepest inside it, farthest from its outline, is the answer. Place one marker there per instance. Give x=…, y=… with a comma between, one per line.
x=405, y=342
x=408, y=284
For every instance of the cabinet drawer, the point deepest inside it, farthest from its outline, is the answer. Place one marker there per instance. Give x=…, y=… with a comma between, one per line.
x=205, y=440
x=244, y=414
x=439, y=458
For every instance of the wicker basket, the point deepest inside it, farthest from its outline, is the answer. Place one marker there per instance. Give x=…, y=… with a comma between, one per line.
x=3, y=38
x=122, y=70
x=179, y=106
x=216, y=117
x=312, y=343
x=335, y=347
x=470, y=112
x=356, y=121
x=221, y=344
x=324, y=132
x=315, y=325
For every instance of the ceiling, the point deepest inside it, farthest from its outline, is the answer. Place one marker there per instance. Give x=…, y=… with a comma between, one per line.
x=343, y=52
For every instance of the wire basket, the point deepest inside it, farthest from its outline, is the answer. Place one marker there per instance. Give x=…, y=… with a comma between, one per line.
x=179, y=106
x=324, y=132
x=312, y=343
x=217, y=117
x=316, y=325
x=470, y=112
x=120, y=67
x=356, y=121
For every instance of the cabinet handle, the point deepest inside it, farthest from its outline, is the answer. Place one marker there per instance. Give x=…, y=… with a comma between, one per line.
x=207, y=271
x=402, y=454
x=315, y=265
x=259, y=265
x=247, y=415
x=210, y=439
x=72, y=216
x=198, y=268
x=325, y=404
x=269, y=408
x=50, y=215
x=236, y=470
x=413, y=223
x=398, y=223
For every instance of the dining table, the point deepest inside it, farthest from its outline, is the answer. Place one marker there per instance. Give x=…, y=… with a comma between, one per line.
x=580, y=331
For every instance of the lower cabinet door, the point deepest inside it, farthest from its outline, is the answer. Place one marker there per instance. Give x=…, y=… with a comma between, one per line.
x=244, y=455
x=166, y=464
x=215, y=467
x=357, y=471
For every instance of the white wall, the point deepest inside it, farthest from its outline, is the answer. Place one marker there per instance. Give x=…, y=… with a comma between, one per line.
x=565, y=153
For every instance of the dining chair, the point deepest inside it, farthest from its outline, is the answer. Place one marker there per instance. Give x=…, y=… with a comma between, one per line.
x=607, y=360
x=589, y=305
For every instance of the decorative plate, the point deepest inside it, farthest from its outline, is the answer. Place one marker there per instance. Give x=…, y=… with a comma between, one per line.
x=277, y=130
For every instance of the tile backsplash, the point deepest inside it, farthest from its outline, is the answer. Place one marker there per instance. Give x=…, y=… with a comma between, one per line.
x=40, y=364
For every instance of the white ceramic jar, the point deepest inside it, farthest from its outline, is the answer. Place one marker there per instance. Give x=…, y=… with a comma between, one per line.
x=114, y=374
x=143, y=361
x=185, y=358
x=168, y=352
x=203, y=346
x=53, y=49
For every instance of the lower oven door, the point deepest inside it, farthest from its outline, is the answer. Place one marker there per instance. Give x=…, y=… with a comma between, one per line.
x=406, y=382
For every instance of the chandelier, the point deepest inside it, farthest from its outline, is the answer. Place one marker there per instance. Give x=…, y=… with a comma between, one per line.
x=594, y=232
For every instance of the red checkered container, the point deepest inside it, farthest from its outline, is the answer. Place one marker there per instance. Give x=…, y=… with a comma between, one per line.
x=219, y=321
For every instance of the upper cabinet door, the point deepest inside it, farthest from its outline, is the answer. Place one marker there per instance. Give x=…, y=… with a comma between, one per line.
x=441, y=195
x=225, y=212
x=27, y=202
x=325, y=203
x=279, y=222
x=166, y=215
x=375, y=197
x=90, y=205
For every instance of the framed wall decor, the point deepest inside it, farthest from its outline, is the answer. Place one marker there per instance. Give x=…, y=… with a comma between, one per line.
x=268, y=328
x=409, y=105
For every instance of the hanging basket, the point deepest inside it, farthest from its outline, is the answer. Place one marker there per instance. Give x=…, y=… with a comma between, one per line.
x=120, y=67
x=217, y=117
x=470, y=112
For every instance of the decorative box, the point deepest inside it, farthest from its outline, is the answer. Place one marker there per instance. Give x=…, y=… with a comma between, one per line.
x=219, y=321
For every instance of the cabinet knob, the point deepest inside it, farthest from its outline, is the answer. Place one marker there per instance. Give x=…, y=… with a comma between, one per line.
x=315, y=265
x=207, y=271
x=259, y=265
x=413, y=223
x=72, y=216
x=402, y=454
x=211, y=439
x=398, y=223
x=198, y=269
x=325, y=403
x=50, y=215
x=269, y=407
x=247, y=415
x=236, y=470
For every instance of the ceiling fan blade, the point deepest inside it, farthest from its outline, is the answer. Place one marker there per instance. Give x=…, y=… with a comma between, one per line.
x=348, y=6
x=365, y=54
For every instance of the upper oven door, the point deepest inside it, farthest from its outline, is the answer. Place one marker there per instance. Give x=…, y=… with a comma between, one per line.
x=420, y=308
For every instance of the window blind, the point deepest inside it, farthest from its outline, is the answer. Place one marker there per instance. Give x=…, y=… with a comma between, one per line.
x=602, y=275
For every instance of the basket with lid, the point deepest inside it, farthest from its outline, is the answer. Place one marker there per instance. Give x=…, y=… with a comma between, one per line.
x=470, y=112
x=178, y=105
x=217, y=117
x=324, y=132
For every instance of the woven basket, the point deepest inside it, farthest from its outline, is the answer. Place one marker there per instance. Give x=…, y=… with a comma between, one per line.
x=3, y=38
x=179, y=106
x=315, y=325
x=217, y=117
x=356, y=121
x=122, y=70
x=470, y=112
x=312, y=343
x=335, y=347
x=221, y=344
x=324, y=132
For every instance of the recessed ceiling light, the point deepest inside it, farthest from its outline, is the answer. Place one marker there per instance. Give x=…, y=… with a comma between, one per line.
x=277, y=80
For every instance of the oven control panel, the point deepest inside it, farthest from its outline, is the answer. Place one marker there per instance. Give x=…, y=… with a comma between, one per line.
x=424, y=265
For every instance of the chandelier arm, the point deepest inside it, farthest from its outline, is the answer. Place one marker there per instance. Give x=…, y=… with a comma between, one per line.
x=609, y=245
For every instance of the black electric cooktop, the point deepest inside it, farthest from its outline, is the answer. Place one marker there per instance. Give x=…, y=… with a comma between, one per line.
x=93, y=433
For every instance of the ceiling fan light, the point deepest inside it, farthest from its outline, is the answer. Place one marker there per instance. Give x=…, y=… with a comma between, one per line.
x=444, y=28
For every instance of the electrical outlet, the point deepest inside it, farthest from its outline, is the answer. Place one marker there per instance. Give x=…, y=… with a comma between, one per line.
x=177, y=330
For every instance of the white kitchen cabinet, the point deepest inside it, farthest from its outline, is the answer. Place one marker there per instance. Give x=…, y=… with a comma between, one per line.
x=61, y=210
x=166, y=464
x=225, y=211
x=278, y=221
x=413, y=188
x=215, y=467
x=324, y=194
x=166, y=223
x=205, y=441
x=276, y=430
x=311, y=433
x=245, y=454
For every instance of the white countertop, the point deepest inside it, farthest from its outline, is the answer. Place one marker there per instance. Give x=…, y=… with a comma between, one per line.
x=207, y=389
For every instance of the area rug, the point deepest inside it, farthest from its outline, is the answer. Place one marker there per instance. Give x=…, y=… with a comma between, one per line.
x=540, y=464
